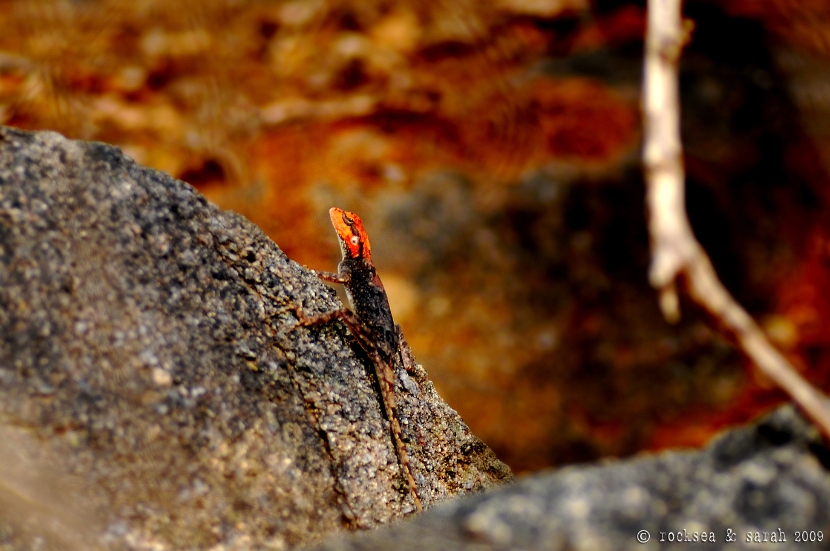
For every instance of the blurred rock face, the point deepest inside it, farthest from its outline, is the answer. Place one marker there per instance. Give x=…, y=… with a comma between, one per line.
x=492, y=149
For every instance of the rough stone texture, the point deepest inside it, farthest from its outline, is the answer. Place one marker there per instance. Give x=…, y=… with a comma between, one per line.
x=760, y=478
x=151, y=395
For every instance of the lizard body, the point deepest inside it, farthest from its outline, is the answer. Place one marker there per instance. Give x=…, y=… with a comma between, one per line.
x=370, y=320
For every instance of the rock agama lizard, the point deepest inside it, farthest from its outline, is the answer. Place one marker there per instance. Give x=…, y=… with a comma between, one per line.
x=370, y=320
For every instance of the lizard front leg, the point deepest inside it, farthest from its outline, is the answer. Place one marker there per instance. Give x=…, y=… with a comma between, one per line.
x=333, y=277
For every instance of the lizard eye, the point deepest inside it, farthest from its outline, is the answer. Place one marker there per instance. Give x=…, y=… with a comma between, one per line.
x=355, y=240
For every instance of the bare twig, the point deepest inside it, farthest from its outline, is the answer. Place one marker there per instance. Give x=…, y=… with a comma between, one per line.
x=676, y=254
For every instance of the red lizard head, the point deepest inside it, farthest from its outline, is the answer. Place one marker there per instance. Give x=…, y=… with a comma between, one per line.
x=354, y=243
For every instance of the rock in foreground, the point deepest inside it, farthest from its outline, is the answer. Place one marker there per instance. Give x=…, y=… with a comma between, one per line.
x=760, y=483
x=151, y=395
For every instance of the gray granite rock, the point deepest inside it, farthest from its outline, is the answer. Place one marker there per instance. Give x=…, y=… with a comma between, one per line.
x=151, y=393
x=764, y=479
x=153, y=397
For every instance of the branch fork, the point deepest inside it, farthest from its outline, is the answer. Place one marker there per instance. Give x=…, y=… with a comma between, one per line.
x=676, y=254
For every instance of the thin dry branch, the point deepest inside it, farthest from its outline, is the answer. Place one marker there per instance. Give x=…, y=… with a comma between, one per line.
x=676, y=254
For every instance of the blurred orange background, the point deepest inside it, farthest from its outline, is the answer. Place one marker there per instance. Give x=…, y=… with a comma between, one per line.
x=492, y=149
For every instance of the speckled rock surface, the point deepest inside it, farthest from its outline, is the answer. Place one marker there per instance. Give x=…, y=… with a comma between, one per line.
x=768, y=477
x=151, y=395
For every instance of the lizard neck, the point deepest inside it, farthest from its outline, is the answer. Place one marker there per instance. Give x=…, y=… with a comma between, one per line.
x=359, y=269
